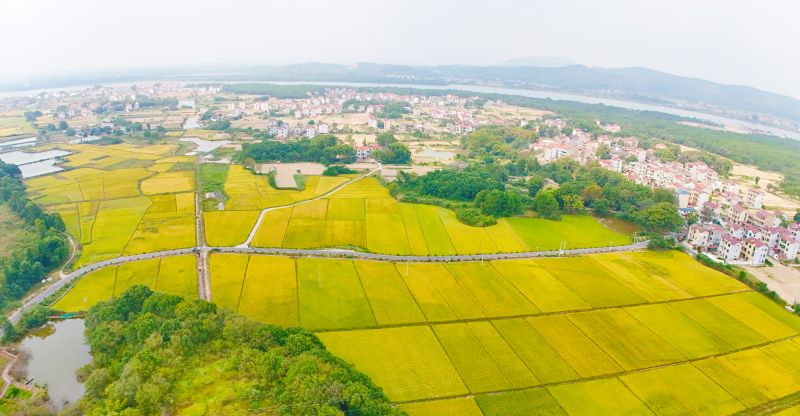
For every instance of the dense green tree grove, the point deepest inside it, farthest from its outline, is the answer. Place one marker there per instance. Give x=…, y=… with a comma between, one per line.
x=150, y=352
x=499, y=203
x=31, y=262
x=324, y=149
x=454, y=184
x=604, y=191
x=497, y=141
x=393, y=154
x=394, y=109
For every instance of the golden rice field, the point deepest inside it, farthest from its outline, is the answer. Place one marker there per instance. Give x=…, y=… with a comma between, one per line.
x=653, y=333
x=175, y=275
x=14, y=123
x=362, y=215
x=622, y=333
x=122, y=199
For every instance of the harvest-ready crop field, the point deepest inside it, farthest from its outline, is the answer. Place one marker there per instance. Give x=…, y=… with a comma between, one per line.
x=506, y=337
x=122, y=199
x=623, y=333
x=649, y=333
x=363, y=215
x=176, y=275
x=247, y=195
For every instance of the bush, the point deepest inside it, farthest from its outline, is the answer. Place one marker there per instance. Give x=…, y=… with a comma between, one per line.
x=474, y=217
x=661, y=243
x=335, y=170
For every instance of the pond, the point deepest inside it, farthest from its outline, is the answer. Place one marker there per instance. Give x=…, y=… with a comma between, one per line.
x=55, y=353
x=30, y=141
x=29, y=170
x=20, y=158
x=191, y=123
x=205, y=146
x=619, y=225
x=34, y=163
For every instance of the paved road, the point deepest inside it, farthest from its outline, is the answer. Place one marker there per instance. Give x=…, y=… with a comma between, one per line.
x=203, y=279
x=330, y=253
x=88, y=269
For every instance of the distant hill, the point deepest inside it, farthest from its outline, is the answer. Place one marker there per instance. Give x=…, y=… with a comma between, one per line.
x=543, y=61
x=640, y=84
x=634, y=83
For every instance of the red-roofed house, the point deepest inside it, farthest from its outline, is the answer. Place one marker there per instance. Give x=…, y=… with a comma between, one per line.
x=730, y=248
x=737, y=213
x=754, y=251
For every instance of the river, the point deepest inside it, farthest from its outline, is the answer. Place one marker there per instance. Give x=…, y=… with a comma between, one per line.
x=55, y=353
x=543, y=94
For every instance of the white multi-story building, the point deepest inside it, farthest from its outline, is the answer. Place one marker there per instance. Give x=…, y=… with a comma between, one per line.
x=754, y=251
x=698, y=236
x=754, y=198
x=763, y=219
x=730, y=248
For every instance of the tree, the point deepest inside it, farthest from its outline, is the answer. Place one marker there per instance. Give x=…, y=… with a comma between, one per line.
x=62, y=125
x=546, y=205
x=474, y=216
x=499, y=203
x=663, y=195
x=757, y=179
x=797, y=216
x=662, y=216
x=385, y=139
x=660, y=243
x=601, y=207
x=535, y=184
x=395, y=154
x=592, y=193
x=572, y=203
x=603, y=151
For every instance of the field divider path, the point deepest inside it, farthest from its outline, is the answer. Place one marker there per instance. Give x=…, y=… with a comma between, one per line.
x=264, y=211
x=527, y=315
x=604, y=376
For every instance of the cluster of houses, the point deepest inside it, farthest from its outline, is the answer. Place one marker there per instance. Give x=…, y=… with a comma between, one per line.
x=751, y=242
x=733, y=226
x=282, y=130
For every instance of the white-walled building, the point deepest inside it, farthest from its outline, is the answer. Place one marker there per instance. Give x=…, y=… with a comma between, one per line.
x=754, y=251
x=730, y=248
x=754, y=198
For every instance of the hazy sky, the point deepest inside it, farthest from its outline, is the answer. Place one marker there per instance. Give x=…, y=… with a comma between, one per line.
x=729, y=41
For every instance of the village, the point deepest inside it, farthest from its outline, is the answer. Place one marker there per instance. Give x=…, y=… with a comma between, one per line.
x=731, y=222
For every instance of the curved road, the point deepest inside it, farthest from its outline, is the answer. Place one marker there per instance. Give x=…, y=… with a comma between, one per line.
x=305, y=201
x=330, y=253
x=201, y=250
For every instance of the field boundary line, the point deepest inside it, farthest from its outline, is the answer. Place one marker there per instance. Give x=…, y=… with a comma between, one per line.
x=244, y=279
x=264, y=211
x=616, y=375
x=364, y=291
x=536, y=315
